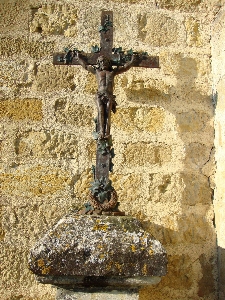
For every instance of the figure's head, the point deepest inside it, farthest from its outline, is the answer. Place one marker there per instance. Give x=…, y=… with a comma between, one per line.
x=103, y=62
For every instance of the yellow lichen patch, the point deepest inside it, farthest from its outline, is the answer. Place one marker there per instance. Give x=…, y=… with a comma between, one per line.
x=133, y=248
x=119, y=266
x=150, y=251
x=101, y=256
x=20, y=109
x=144, y=269
x=109, y=266
x=44, y=270
x=100, y=227
x=143, y=239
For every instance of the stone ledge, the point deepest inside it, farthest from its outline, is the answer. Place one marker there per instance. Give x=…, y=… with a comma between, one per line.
x=98, y=250
x=96, y=282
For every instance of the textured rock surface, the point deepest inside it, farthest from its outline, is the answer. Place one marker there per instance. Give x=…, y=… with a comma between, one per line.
x=98, y=246
x=47, y=149
x=112, y=295
x=218, y=48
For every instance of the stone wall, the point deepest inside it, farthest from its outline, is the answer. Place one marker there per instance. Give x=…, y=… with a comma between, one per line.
x=163, y=133
x=218, y=69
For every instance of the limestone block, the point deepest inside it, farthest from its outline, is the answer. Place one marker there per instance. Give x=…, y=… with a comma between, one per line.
x=220, y=103
x=179, y=4
x=21, y=109
x=91, y=150
x=206, y=285
x=82, y=186
x=17, y=74
x=91, y=84
x=53, y=78
x=163, y=188
x=191, y=121
x=2, y=232
x=134, y=118
x=180, y=272
x=46, y=144
x=36, y=180
x=210, y=6
x=192, y=76
x=186, y=229
x=129, y=1
x=67, y=112
x=142, y=154
x=55, y=19
x=158, y=29
x=143, y=91
x=14, y=265
x=188, y=69
x=34, y=48
x=197, y=189
x=197, y=155
x=86, y=246
x=195, y=229
x=182, y=275
x=14, y=17
x=193, y=33
x=129, y=188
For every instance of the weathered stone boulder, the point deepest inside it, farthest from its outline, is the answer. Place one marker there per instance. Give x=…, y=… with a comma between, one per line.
x=101, y=248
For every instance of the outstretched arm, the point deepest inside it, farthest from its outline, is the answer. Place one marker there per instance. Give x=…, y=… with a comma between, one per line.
x=84, y=65
x=127, y=65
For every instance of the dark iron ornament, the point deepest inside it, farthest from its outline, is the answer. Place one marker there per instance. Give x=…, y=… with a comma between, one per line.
x=105, y=62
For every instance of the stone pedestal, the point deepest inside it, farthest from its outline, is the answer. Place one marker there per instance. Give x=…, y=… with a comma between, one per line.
x=98, y=257
x=96, y=295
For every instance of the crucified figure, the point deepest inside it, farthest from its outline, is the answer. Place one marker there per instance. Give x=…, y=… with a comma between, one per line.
x=105, y=100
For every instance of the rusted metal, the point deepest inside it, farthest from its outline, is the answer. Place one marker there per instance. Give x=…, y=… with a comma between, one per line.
x=105, y=62
x=106, y=37
x=117, y=60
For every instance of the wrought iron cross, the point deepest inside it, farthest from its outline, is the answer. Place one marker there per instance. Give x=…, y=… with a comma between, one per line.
x=105, y=62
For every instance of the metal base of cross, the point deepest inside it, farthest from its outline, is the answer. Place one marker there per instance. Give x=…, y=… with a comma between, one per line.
x=100, y=212
x=108, y=207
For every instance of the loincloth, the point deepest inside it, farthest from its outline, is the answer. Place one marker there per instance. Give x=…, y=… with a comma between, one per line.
x=105, y=99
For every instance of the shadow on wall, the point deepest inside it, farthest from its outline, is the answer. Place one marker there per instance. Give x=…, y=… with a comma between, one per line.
x=221, y=275
x=191, y=245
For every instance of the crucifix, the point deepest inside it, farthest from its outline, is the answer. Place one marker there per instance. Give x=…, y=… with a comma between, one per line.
x=105, y=62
